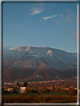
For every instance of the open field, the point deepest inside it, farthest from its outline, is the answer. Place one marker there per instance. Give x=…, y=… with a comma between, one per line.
x=45, y=93
x=11, y=94
x=23, y=98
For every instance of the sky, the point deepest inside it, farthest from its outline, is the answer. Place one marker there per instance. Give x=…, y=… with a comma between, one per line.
x=41, y=25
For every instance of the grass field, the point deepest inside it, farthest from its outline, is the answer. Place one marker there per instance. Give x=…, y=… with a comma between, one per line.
x=46, y=93
x=11, y=94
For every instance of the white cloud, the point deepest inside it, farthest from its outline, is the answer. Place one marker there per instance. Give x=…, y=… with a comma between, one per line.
x=52, y=16
x=36, y=11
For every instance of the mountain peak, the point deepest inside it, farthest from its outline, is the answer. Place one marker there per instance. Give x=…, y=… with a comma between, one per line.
x=26, y=62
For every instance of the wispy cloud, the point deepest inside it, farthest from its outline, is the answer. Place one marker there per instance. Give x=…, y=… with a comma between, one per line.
x=49, y=17
x=35, y=11
x=71, y=13
x=62, y=20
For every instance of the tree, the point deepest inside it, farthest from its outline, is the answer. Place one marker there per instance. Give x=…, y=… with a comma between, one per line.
x=18, y=84
x=27, y=91
x=25, y=83
x=72, y=91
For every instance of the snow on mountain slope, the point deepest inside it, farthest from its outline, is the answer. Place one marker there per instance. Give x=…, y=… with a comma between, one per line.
x=31, y=61
x=53, y=57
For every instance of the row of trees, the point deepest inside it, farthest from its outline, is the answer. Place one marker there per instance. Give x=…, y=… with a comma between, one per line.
x=25, y=84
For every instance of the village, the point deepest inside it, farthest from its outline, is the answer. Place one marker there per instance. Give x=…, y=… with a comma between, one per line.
x=66, y=86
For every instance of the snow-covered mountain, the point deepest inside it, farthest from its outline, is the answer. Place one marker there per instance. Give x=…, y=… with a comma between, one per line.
x=24, y=63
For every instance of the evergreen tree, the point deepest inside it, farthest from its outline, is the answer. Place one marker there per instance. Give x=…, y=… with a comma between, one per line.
x=18, y=84
x=25, y=83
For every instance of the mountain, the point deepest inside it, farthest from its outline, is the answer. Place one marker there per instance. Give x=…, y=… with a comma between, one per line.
x=37, y=63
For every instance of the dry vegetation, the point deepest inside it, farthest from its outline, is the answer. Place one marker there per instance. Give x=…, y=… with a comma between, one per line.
x=40, y=99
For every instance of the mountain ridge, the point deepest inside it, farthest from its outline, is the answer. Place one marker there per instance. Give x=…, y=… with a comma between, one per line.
x=41, y=47
x=43, y=61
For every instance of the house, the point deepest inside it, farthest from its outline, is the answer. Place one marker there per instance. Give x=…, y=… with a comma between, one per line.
x=10, y=89
x=50, y=88
x=22, y=89
x=66, y=88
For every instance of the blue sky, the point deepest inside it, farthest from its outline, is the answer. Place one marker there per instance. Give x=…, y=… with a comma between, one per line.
x=41, y=25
